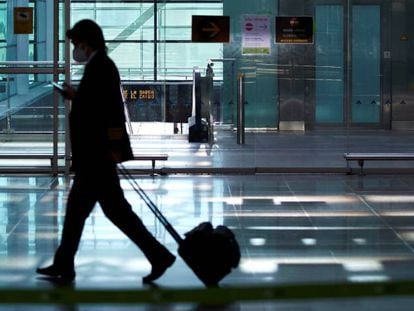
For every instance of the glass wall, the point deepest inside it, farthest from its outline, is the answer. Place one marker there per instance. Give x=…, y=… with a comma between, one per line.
x=129, y=31
x=177, y=55
x=151, y=41
x=32, y=117
x=26, y=51
x=3, y=30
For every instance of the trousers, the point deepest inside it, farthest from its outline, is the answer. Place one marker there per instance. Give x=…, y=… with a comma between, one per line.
x=102, y=186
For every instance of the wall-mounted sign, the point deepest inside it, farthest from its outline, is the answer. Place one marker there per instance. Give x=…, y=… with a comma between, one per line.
x=23, y=20
x=256, y=37
x=210, y=28
x=294, y=29
x=404, y=37
x=144, y=102
x=140, y=93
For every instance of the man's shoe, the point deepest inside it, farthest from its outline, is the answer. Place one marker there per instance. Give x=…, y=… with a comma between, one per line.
x=159, y=268
x=55, y=272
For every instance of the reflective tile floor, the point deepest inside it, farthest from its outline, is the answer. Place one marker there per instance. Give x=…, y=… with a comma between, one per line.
x=270, y=152
x=292, y=229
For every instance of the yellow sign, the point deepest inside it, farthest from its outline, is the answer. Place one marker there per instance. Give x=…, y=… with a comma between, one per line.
x=404, y=37
x=143, y=94
x=147, y=94
x=23, y=20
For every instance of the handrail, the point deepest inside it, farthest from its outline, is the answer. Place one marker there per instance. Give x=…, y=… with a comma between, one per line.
x=240, y=110
x=26, y=62
x=197, y=96
x=222, y=60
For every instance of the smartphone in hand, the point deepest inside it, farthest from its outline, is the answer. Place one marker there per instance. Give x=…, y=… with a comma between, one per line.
x=65, y=90
x=57, y=86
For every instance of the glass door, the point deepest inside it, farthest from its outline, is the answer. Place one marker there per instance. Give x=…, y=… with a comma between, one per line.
x=366, y=64
x=348, y=64
x=330, y=60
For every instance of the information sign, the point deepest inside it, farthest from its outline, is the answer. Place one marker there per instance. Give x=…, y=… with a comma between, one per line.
x=23, y=20
x=256, y=37
x=294, y=29
x=210, y=29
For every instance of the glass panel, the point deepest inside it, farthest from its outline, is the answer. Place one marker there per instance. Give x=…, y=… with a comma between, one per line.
x=27, y=120
x=366, y=62
x=259, y=66
x=145, y=101
x=177, y=17
x=37, y=46
x=119, y=20
x=177, y=60
x=177, y=56
x=135, y=61
x=127, y=29
x=25, y=109
x=329, y=72
x=3, y=31
x=27, y=100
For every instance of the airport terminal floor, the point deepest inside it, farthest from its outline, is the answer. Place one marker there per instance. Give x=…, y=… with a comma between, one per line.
x=309, y=241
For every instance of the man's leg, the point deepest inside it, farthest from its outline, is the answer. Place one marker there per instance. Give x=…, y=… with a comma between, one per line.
x=119, y=211
x=80, y=203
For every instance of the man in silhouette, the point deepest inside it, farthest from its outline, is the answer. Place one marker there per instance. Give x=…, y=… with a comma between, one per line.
x=99, y=141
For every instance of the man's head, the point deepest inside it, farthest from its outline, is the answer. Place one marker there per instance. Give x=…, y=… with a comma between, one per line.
x=86, y=37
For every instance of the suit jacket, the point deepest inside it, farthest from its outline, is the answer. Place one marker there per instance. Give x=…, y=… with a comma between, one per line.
x=97, y=119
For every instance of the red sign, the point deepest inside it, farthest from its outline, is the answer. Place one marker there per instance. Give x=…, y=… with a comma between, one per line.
x=249, y=27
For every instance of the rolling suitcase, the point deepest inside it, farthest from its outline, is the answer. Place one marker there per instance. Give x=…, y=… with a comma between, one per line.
x=210, y=252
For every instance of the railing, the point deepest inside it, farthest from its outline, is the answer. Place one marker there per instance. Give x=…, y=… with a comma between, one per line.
x=240, y=110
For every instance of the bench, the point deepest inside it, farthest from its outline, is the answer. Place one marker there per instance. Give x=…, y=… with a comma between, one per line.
x=30, y=156
x=42, y=156
x=361, y=157
x=152, y=158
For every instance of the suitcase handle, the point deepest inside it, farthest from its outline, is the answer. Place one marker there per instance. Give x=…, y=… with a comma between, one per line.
x=150, y=204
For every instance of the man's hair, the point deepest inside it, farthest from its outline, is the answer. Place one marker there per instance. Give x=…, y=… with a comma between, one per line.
x=89, y=32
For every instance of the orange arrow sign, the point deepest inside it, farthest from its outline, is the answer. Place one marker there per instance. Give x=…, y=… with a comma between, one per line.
x=214, y=29
x=210, y=29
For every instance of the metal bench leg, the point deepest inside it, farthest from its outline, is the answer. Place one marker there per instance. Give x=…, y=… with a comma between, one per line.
x=54, y=162
x=348, y=168
x=361, y=166
x=153, y=167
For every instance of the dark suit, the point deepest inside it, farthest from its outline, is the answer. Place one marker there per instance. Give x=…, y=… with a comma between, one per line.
x=97, y=121
x=97, y=127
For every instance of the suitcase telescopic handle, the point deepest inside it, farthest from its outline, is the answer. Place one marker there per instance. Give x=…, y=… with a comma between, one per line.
x=150, y=204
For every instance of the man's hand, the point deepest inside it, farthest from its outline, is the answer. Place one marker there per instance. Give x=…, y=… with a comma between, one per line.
x=116, y=156
x=68, y=91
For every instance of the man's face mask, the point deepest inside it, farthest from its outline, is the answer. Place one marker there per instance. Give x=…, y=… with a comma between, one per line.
x=79, y=55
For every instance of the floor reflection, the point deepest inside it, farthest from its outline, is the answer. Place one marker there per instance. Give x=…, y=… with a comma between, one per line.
x=291, y=229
